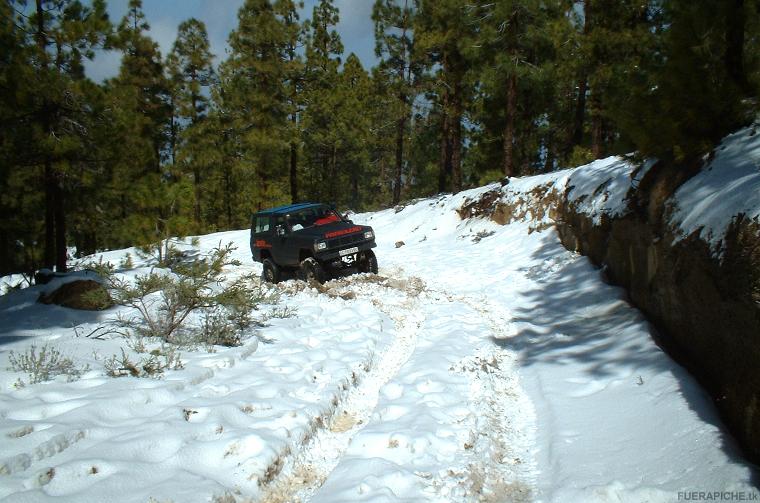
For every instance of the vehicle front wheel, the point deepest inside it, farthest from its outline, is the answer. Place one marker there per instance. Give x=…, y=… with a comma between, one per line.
x=311, y=270
x=368, y=263
x=270, y=272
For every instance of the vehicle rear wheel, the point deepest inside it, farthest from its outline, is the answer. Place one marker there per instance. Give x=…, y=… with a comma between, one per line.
x=270, y=272
x=368, y=262
x=311, y=270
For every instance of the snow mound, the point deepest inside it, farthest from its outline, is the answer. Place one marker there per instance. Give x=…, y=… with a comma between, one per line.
x=727, y=187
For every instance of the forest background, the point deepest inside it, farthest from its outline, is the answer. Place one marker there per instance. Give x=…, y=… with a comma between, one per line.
x=464, y=92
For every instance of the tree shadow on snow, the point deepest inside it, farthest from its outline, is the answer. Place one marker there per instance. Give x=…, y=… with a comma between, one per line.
x=21, y=316
x=574, y=318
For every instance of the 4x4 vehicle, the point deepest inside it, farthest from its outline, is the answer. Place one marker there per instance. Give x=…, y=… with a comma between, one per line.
x=312, y=240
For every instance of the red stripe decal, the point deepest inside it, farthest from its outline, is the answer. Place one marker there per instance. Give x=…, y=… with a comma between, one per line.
x=342, y=232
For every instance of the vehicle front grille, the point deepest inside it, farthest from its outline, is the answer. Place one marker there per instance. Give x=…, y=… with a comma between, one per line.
x=345, y=240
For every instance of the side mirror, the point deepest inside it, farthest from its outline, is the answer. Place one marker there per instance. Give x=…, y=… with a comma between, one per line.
x=280, y=229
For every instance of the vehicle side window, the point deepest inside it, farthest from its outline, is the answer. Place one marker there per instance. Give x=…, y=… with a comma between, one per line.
x=262, y=224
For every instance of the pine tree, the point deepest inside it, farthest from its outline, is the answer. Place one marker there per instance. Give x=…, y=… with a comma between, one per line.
x=394, y=43
x=322, y=139
x=442, y=36
x=354, y=88
x=191, y=70
x=691, y=91
x=52, y=111
x=146, y=198
x=253, y=102
x=513, y=43
x=287, y=11
x=17, y=235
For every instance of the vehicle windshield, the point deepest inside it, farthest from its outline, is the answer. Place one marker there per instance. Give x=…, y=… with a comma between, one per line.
x=310, y=217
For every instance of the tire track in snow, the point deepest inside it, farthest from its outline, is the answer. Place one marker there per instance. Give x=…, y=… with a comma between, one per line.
x=499, y=464
x=308, y=468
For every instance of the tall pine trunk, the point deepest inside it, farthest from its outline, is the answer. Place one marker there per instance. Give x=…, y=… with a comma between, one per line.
x=60, y=226
x=354, y=190
x=49, y=183
x=293, y=172
x=400, y=127
x=49, y=179
x=734, y=55
x=333, y=172
x=509, y=128
x=228, y=196
x=196, y=169
x=444, y=166
x=401, y=124
x=456, y=140
x=597, y=126
x=580, y=103
x=580, y=113
x=198, y=195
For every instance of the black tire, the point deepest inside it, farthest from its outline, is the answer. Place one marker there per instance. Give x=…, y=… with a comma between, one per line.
x=368, y=263
x=270, y=272
x=311, y=270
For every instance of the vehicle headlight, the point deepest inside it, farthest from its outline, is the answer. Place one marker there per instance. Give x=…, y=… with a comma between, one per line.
x=320, y=245
x=369, y=235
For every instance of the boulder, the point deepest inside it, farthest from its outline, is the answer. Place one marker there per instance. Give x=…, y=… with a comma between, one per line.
x=86, y=294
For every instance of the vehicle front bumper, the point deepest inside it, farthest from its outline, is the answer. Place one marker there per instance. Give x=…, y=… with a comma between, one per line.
x=334, y=253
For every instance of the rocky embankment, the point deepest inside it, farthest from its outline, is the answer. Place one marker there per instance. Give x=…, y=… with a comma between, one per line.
x=684, y=244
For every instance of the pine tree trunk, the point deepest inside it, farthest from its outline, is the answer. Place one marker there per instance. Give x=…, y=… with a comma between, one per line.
x=400, y=127
x=597, y=124
x=597, y=127
x=49, y=182
x=549, y=161
x=444, y=167
x=48, y=171
x=228, y=197
x=354, y=190
x=196, y=169
x=456, y=140
x=509, y=129
x=580, y=113
x=293, y=172
x=7, y=260
x=333, y=172
x=596, y=136
x=580, y=104
x=198, y=194
x=60, y=227
x=734, y=56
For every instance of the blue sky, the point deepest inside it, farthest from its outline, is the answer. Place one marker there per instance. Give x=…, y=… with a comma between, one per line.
x=220, y=16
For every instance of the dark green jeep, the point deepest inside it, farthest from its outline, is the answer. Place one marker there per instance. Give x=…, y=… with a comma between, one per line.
x=312, y=241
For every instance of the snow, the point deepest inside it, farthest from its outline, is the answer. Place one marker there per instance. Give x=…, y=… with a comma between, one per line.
x=728, y=186
x=483, y=363
x=601, y=187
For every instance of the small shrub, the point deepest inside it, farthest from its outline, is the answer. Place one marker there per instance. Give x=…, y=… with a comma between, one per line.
x=164, y=303
x=44, y=365
x=103, y=269
x=126, y=262
x=152, y=365
x=281, y=313
x=216, y=330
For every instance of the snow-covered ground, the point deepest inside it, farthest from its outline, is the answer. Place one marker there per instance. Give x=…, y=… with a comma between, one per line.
x=484, y=363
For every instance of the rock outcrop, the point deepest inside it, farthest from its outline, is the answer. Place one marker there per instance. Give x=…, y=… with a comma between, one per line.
x=685, y=243
x=706, y=308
